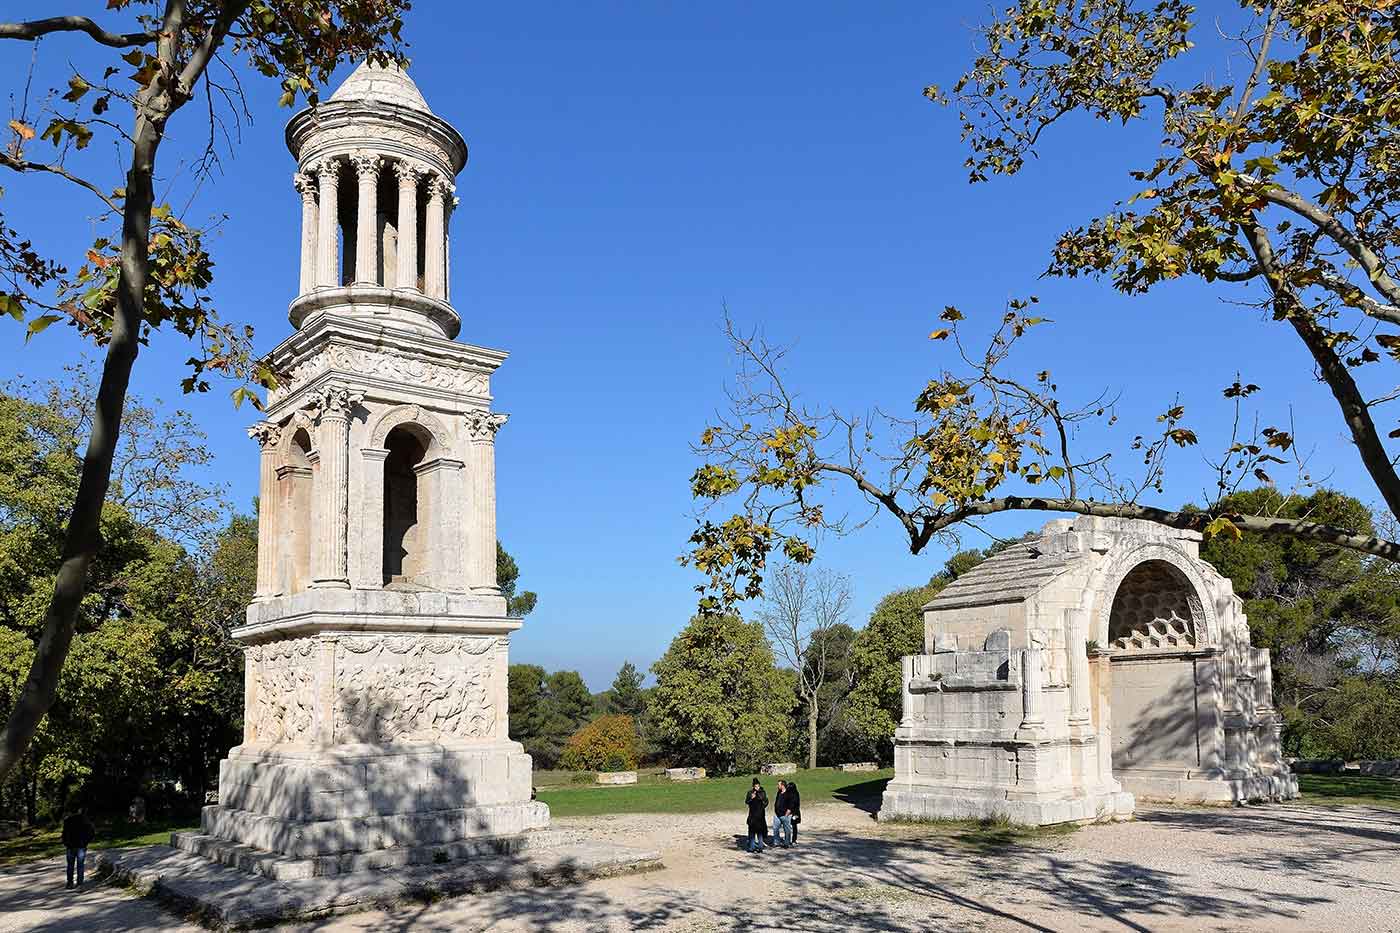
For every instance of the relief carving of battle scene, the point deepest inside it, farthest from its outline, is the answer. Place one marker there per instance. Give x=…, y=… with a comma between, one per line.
x=413, y=689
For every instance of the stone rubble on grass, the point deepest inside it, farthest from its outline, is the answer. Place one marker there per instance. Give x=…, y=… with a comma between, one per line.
x=780, y=767
x=685, y=774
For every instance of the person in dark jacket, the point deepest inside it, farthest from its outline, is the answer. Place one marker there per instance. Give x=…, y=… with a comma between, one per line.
x=782, y=819
x=77, y=834
x=757, y=802
x=793, y=803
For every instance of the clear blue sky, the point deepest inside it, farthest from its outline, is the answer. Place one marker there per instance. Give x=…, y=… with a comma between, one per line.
x=635, y=167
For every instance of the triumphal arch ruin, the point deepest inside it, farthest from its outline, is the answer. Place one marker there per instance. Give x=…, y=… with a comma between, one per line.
x=375, y=726
x=1069, y=674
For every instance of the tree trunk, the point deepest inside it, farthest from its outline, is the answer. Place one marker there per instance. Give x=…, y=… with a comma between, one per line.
x=84, y=533
x=812, y=730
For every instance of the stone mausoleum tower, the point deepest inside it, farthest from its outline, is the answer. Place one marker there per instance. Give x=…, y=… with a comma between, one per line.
x=375, y=725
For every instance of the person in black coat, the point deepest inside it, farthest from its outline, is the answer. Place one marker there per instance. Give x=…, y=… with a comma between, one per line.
x=77, y=835
x=757, y=802
x=792, y=801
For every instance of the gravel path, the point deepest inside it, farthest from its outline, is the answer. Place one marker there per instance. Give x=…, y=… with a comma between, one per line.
x=1266, y=868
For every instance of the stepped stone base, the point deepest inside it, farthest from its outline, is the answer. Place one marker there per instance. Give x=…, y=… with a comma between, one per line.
x=229, y=898
x=282, y=867
x=922, y=802
x=1192, y=787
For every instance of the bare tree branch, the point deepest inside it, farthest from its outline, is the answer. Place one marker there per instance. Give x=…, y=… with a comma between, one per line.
x=38, y=28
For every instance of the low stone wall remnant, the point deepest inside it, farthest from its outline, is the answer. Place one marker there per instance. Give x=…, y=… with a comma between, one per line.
x=617, y=777
x=685, y=774
x=1370, y=768
x=780, y=767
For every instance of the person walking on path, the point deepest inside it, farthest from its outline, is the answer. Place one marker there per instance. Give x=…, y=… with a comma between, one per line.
x=757, y=802
x=794, y=812
x=77, y=835
x=782, y=817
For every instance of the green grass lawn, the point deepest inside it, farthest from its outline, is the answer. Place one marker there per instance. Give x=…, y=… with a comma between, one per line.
x=44, y=843
x=654, y=794
x=1331, y=789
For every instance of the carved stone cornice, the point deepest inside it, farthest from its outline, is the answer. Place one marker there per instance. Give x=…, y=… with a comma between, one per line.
x=483, y=425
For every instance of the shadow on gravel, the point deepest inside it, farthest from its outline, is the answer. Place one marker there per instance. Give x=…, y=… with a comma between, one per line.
x=845, y=881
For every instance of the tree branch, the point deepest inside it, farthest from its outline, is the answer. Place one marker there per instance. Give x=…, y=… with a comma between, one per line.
x=1370, y=263
x=21, y=165
x=38, y=28
x=1359, y=299
x=1334, y=372
x=1188, y=521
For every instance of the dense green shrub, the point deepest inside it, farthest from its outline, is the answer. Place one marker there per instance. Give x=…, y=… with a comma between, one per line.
x=608, y=743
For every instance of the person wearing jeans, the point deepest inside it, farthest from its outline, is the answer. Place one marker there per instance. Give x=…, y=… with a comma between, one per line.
x=77, y=834
x=782, y=817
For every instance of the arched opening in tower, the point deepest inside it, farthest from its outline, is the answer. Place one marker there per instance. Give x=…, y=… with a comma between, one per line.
x=404, y=539
x=298, y=482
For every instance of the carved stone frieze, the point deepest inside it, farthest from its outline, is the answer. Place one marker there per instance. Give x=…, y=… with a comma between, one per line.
x=414, y=688
x=406, y=139
x=282, y=693
x=386, y=364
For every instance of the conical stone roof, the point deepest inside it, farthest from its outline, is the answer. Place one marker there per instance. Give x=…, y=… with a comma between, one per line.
x=388, y=84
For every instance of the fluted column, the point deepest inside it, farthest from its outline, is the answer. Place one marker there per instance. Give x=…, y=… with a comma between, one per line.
x=434, y=258
x=481, y=521
x=267, y=435
x=452, y=204
x=366, y=210
x=306, y=185
x=332, y=407
x=408, y=175
x=1076, y=644
x=327, y=245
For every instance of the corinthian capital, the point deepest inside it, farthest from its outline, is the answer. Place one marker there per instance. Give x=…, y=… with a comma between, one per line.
x=266, y=434
x=333, y=401
x=367, y=164
x=407, y=173
x=483, y=425
x=305, y=183
x=439, y=187
x=327, y=170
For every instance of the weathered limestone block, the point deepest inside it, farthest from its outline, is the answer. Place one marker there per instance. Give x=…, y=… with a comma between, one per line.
x=616, y=777
x=859, y=766
x=685, y=774
x=780, y=767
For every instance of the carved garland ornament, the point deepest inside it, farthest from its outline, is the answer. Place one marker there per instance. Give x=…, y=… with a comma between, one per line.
x=388, y=365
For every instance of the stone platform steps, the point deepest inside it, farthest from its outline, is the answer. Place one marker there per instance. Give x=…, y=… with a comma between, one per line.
x=280, y=867
x=233, y=898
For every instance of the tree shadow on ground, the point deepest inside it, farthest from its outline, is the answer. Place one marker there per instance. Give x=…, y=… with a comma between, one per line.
x=836, y=881
x=864, y=795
